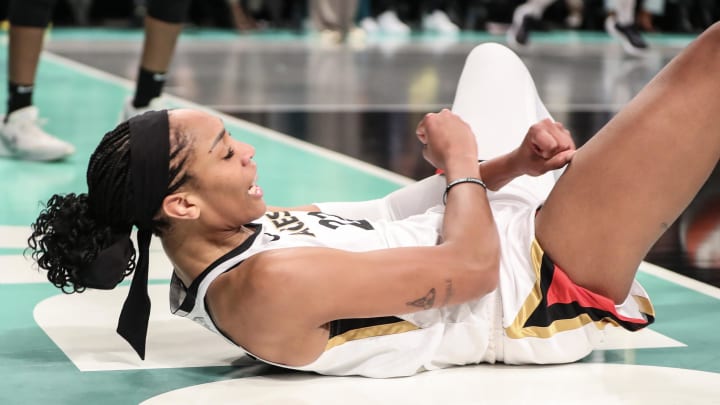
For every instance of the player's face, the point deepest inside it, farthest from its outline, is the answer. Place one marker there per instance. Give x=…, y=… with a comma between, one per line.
x=224, y=172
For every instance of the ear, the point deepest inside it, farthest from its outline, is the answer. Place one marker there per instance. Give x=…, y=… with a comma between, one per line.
x=180, y=206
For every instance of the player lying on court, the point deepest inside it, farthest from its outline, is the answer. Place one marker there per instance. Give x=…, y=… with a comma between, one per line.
x=443, y=272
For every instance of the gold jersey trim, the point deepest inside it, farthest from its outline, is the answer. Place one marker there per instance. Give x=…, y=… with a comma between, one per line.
x=371, y=331
x=517, y=329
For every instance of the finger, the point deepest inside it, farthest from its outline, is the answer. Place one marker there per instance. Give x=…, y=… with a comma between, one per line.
x=421, y=134
x=544, y=144
x=566, y=137
x=421, y=129
x=562, y=137
x=423, y=121
x=564, y=143
x=560, y=160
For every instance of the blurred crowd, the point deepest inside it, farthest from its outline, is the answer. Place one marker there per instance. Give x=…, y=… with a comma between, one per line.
x=394, y=17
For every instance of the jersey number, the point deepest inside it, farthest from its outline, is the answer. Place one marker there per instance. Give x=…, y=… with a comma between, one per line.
x=334, y=221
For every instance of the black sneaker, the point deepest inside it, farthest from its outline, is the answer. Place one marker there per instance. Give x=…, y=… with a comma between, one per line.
x=632, y=42
x=519, y=35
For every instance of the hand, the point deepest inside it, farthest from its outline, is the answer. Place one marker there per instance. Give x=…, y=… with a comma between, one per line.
x=547, y=146
x=447, y=140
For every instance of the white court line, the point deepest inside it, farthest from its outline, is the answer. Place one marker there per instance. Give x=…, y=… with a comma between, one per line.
x=576, y=383
x=15, y=237
x=257, y=129
x=20, y=269
x=681, y=280
x=83, y=327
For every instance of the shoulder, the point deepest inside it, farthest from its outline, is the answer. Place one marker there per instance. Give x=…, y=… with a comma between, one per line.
x=256, y=306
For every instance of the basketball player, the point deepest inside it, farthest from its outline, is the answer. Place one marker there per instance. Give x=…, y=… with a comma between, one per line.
x=490, y=262
x=21, y=136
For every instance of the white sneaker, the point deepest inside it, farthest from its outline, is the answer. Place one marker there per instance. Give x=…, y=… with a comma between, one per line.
x=130, y=111
x=22, y=138
x=330, y=37
x=390, y=24
x=356, y=36
x=440, y=23
x=369, y=25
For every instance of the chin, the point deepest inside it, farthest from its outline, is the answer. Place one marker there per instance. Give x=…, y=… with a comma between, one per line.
x=260, y=209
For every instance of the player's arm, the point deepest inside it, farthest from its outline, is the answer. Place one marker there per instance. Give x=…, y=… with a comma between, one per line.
x=278, y=301
x=546, y=146
x=276, y=305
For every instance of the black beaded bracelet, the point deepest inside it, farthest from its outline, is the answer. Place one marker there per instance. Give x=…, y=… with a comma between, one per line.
x=462, y=180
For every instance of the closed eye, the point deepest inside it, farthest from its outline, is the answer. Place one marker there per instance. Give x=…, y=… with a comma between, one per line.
x=230, y=153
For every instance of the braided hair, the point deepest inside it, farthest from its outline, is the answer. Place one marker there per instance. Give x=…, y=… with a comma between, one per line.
x=72, y=229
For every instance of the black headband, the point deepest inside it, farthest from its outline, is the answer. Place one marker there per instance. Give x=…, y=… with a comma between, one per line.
x=149, y=181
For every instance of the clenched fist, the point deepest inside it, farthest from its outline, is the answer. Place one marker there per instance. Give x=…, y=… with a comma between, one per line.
x=547, y=146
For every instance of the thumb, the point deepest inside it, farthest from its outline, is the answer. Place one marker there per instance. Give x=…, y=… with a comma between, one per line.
x=561, y=159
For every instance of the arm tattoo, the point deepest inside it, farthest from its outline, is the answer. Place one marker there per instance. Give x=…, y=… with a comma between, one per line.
x=425, y=302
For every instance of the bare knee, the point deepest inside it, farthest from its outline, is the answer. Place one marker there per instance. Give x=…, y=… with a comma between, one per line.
x=714, y=29
x=708, y=42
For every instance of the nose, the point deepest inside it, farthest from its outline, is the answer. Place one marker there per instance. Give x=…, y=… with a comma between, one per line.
x=247, y=153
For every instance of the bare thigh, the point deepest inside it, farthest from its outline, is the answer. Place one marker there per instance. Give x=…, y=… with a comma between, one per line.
x=626, y=186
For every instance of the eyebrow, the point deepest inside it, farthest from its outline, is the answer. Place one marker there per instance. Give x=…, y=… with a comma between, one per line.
x=218, y=138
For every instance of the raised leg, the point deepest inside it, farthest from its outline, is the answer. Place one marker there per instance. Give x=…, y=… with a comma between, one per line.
x=626, y=185
x=497, y=97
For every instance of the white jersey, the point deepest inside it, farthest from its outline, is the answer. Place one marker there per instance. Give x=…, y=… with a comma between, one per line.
x=522, y=321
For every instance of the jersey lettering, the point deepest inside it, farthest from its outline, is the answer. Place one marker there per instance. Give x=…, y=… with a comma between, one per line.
x=334, y=221
x=286, y=222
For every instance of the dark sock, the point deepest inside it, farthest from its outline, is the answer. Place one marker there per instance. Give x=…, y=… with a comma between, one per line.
x=149, y=86
x=19, y=96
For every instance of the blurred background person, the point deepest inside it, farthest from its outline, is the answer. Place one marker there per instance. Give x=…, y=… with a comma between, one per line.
x=619, y=23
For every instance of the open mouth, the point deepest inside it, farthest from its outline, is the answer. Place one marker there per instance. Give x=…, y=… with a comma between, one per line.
x=255, y=190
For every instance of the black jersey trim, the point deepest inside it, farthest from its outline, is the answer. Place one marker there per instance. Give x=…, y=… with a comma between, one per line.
x=191, y=292
x=340, y=326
